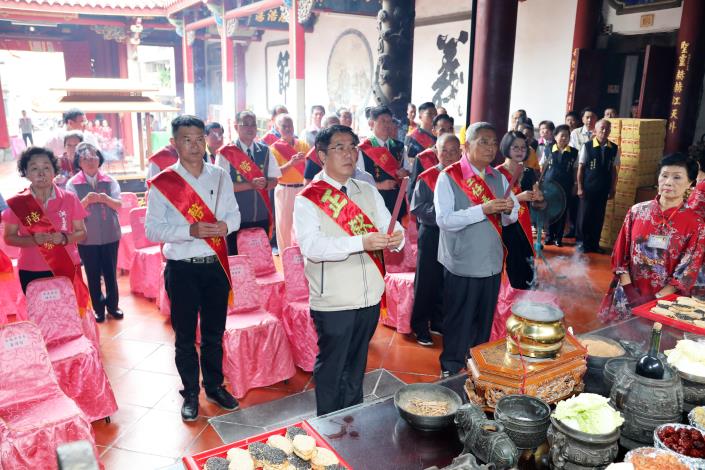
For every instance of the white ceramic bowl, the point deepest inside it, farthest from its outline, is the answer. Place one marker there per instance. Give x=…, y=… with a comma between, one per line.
x=693, y=463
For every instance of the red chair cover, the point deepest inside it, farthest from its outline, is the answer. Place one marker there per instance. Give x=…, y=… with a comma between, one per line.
x=399, y=288
x=51, y=304
x=35, y=415
x=296, y=315
x=126, y=249
x=12, y=299
x=145, y=271
x=507, y=297
x=129, y=202
x=256, y=351
x=403, y=261
x=12, y=251
x=253, y=242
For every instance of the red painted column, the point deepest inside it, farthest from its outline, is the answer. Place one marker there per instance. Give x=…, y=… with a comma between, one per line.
x=493, y=62
x=189, y=92
x=4, y=134
x=587, y=17
x=125, y=119
x=297, y=57
x=688, y=78
x=77, y=59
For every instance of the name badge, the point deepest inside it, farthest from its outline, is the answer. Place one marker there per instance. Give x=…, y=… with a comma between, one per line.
x=659, y=242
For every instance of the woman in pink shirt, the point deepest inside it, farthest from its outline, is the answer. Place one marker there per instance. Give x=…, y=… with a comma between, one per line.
x=60, y=224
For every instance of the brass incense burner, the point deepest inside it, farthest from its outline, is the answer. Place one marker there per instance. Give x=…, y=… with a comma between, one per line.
x=535, y=330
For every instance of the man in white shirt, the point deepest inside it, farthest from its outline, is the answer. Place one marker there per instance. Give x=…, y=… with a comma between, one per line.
x=253, y=204
x=579, y=136
x=74, y=120
x=195, y=276
x=342, y=251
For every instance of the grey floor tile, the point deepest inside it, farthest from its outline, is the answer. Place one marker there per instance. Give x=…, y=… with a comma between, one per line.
x=230, y=432
x=387, y=385
x=277, y=411
x=369, y=383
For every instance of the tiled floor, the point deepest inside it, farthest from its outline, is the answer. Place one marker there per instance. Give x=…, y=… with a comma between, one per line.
x=147, y=431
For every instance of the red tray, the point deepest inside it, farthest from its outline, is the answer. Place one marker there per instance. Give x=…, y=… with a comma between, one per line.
x=645, y=312
x=197, y=461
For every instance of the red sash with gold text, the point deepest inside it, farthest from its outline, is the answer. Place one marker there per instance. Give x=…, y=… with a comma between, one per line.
x=269, y=138
x=32, y=217
x=344, y=212
x=189, y=204
x=476, y=190
x=165, y=157
x=425, y=140
x=287, y=151
x=524, y=216
x=430, y=177
x=381, y=156
x=248, y=170
x=427, y=158
x=313, y=156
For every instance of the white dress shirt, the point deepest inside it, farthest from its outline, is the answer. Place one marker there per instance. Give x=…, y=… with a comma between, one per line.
x=273, y=170
x=452, y=220
x=579, y=136
x=317, y=246
x=164, y=223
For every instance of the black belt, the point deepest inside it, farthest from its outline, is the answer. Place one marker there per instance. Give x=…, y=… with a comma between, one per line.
x=297, y=185
x=201, y=259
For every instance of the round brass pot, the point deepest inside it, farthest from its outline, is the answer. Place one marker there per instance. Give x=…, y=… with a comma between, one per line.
x=538, y=339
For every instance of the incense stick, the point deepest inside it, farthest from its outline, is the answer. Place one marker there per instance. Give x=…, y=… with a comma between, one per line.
x=515, y=177
x=397, y=205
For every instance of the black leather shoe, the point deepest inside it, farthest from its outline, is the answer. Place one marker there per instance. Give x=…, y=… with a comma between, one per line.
x=99, y=317
x=189, y=410
x=117, y=314
x=223, y=399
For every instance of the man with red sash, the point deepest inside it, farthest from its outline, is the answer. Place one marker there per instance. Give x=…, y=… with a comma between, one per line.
x=470, y=212
x=427, y=314
x=384, y=157
x=191, y=208
x=161, y=160
x=428, y=158
x=290, y=153
x=341, y=225
x=248, y=162
x=273, y=134
x=422, y=137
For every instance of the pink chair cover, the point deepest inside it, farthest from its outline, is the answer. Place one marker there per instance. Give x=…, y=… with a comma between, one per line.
x=403, y=261
x=146, y=268
x=35, y=415
x=163, y=302
x=507, y=297
x=253, y=242
x=12, y=299
x=255, y=346
x=296, y=315
x=129, y=202
x=126, y=249
x=399, y=288
x=52, y=306
x=12, y=251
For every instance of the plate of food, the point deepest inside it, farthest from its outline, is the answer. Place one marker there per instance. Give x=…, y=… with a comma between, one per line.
x=688, y=358
x=696, y=417
x=297, y=447
x=684, y=313
x=426, y=406
x=651, y=458
x=687, y=442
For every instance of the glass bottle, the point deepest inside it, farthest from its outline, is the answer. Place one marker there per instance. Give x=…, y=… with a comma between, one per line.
x=649, y=365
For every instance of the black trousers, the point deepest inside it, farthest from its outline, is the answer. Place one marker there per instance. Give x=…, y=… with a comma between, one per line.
x=469, y=309
x=591, y=217
x=27, y=136
x=101, y=261
x=28, y=276
x=428, y=284
x=520, y=256
x=573, y=204
x=192, y=288
x=343, y=340
x=231, y=239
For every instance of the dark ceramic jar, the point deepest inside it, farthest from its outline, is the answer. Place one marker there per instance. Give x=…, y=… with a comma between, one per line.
x=525, y=419
x=575, y=450
x=645, y=404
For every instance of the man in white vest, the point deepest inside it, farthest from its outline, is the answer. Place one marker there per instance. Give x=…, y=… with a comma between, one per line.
x=341, y=226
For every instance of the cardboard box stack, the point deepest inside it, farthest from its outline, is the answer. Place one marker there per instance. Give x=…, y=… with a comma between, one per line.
x=641, y=143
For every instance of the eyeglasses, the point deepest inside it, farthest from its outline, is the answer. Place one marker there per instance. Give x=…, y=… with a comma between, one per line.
x=343, y=148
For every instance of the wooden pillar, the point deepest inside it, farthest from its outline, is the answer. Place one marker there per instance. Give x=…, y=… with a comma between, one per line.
x=4, y=134
x=297, y=56
x=189, y=92
x=240, y=78
x=493, y=62
x=587, y=17
x=125, y=118
x=227, y=64
x=688, y=78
